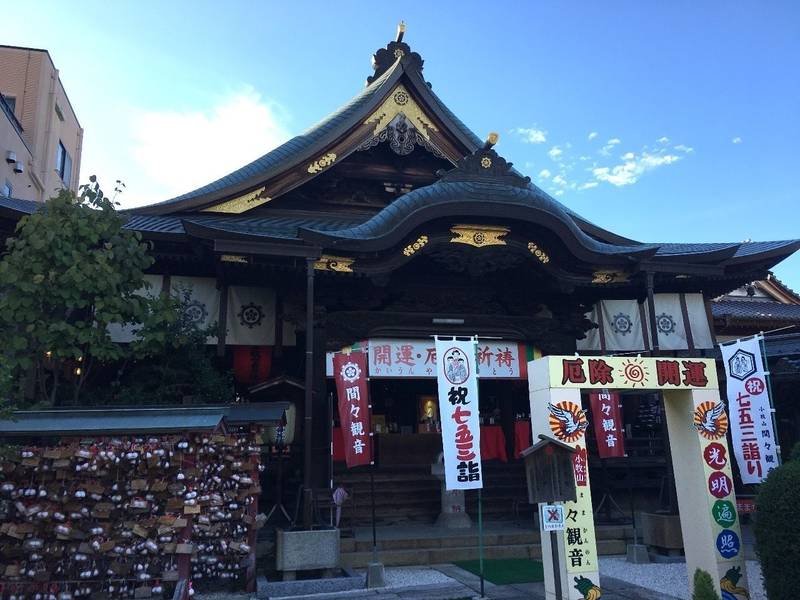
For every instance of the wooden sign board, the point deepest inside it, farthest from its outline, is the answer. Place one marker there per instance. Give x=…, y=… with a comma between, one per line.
x=548, y=469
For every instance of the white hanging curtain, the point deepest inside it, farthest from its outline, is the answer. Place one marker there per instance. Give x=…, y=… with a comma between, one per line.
x=698, y=321
x=251, y=316
x=622, y=325
x=592, y=339
x=669, y=322
x=126, y=333
x=203, y=307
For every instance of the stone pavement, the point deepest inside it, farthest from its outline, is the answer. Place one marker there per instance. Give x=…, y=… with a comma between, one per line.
x=467, y=587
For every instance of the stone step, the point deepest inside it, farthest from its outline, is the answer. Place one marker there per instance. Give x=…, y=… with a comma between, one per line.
x=432, y=556
x=604, y=534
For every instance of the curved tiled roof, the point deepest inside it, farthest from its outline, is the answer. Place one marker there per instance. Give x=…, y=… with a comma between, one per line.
x=462, y=198
x=754, y=310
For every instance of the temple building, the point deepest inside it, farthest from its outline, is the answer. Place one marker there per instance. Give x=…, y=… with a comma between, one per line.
x=390, y=222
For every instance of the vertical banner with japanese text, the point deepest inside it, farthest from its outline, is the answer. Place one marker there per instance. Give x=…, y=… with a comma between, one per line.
x=608, y=426
x=752, y=433
x=458, y=406
x=352, y=389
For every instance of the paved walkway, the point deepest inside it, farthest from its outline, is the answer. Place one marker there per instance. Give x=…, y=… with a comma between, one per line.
x=466, y=586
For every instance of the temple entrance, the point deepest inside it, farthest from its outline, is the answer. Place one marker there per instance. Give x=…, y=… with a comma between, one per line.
x=696, y=424
x=407, y=434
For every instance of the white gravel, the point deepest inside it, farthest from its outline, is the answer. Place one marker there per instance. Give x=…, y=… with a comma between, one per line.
x=671, y=576
x=408, y=576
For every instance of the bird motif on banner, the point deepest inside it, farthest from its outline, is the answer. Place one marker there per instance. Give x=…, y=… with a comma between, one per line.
x=708, y=419
x=567, y=421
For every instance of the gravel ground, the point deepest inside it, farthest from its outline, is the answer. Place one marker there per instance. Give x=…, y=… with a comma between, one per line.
x=408, y=576
x=670, y=577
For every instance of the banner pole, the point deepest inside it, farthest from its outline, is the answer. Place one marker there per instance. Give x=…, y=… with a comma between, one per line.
x=372, y=498
x=480, y=535
x=768, y=377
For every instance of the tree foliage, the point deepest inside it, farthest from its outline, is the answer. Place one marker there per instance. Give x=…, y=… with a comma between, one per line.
x=777, y=530
x=703, y=586
x=70, y=270
x=170, y=360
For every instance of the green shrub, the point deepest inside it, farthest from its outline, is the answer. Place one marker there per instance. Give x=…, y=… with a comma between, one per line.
x=704, y=587
x=795, y=453
x=777, y=530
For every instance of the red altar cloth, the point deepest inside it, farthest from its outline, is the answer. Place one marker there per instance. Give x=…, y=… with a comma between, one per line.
x=522, y=436
x=493, y=443
x=338, y=445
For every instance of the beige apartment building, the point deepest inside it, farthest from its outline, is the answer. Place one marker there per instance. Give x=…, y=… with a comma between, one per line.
x=40, y=136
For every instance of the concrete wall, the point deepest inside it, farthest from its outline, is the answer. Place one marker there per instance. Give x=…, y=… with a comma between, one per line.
x=24, y=185
x=32, y=79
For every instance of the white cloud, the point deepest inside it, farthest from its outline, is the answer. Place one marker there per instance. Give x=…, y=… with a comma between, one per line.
x=555, y=152
x=544, y=174
x=613, y=142
x=684, y=148
x=606, y=150
x=592, y=135
x=663, y=140
x=630, y=171
x=588, y=185
x=162, y=154
x=559, y=180
x=531, y=135
x=737, y=140
x=558, y=193
x=628, y=156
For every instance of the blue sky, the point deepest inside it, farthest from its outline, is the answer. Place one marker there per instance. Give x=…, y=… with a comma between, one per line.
x=663, y=121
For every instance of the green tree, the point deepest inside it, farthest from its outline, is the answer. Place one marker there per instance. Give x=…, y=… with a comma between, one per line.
x=170, y=360
x=777, y=530
x=703, y=586
x=70, y=270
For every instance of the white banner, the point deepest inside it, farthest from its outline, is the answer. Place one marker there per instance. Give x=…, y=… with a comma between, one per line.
x=497, y=359
x=251, y=316
x=202, y=309
x=458, y=407
x=753, y=436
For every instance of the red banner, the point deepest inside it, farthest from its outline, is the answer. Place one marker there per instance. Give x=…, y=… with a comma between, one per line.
x=608, y=427
x=350, y=373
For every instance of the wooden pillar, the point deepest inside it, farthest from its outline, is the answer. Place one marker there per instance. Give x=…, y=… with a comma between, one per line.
x=651, y=306
x=309, y=396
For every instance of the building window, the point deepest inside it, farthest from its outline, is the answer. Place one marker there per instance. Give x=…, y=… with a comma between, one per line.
x=7, y=189
x=63, y=164
x=59, y=113
x=11, y=101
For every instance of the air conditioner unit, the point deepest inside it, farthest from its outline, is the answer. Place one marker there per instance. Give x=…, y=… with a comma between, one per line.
x=11, y=157
x=19, y=167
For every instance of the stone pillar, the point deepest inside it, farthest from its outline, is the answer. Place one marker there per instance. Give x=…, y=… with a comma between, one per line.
x=454, y=512
x=577, y=549
x=712, y=536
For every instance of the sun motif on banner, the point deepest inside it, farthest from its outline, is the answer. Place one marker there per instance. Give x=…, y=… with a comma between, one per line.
x=350, y=372
x=567, y=421
x=710, y=420
x=634, y=372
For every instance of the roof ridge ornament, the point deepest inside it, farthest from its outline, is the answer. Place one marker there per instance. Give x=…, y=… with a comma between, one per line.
x=384, y=58
x=485, y=165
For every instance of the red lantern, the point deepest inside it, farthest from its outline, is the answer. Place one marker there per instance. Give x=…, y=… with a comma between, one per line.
x=252, y=364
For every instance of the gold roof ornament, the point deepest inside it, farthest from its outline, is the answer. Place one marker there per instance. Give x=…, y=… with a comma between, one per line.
x=400, y=101
x=401, y=29
x=479, y=235
x=241, y=203
x=491, y=139
x=340, y=264
x=606, y=276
